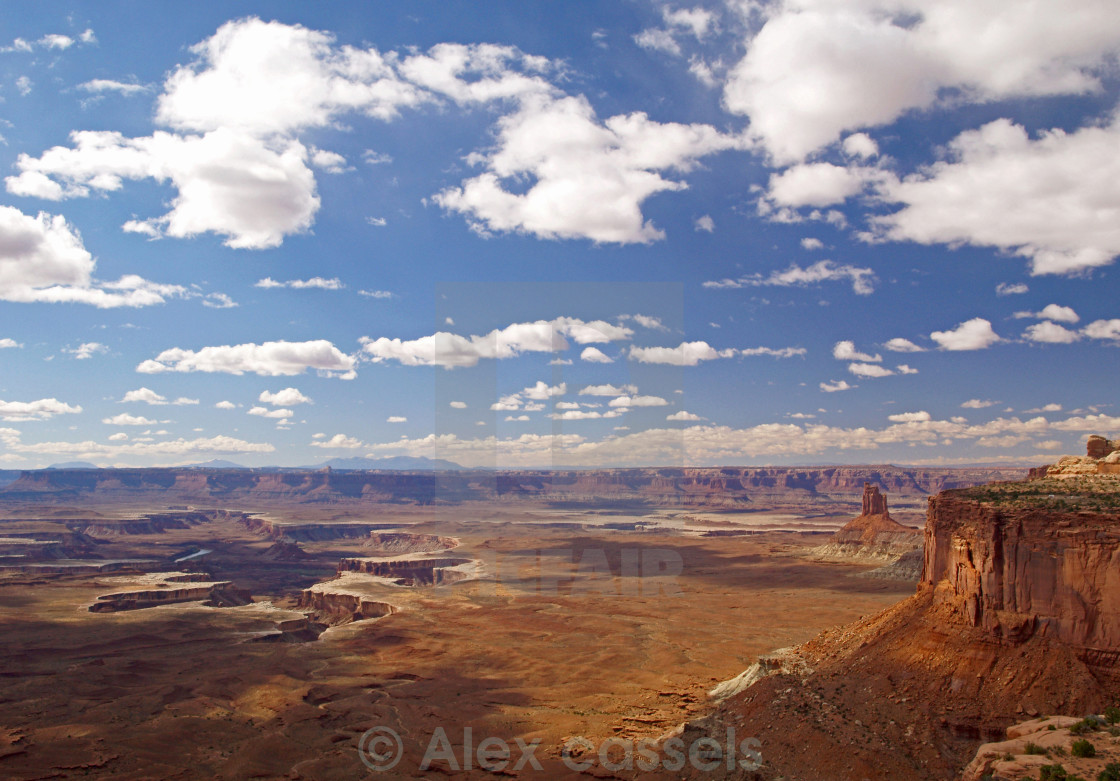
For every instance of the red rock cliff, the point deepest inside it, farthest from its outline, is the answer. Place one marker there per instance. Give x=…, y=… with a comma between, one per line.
x=1018, y=571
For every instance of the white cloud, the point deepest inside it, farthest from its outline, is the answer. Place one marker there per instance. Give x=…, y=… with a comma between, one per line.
x=705, y=223
x=685, y=354
x=837, y=385
x=287, y=397
x=377, y=222
x=595, y=355
x=811, y=243
x=658, y=40
x=900, y=345
x=1054, y=199
x=846, y=351
x=120, y=436
x=813, y=71
x=573, y=414
x=265, y=412
x=1103, y=329
x=452, y=350
x=978, y=404
x=637, y=401
x=218, y=301
x=1011, y=288
x=331, y=162
x=860, y=145
x=588, y=179
x=230, y=183
x=41, y=409
x=863, y=279
x=376, y=293
x=396, y=419
x=124, y=419
x=608, y=390
x=270, y=359
x=974, y=334
x=910, y=417
x=338, y=440
x=142, y=447
x=1059, y=314
x=146, y=395
x=457, y=404
x=1049, y=332
x=542, y=391
x=869, y=370
x=683, y=415
x=225, y=405
x=86, y=350
x=109, y=85
x=42, y=259
x=815, y=184
x=7, y=344
x=902, y=368
x=334, y=283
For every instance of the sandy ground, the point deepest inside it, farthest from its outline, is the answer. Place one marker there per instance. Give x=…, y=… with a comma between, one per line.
x=571, y=629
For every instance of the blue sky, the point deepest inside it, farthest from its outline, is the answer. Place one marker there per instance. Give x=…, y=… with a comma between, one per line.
x=596, y=234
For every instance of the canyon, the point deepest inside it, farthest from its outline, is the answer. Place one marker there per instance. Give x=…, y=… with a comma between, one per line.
x=264, y=622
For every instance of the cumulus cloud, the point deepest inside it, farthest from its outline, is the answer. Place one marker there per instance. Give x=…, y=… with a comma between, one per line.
x=1051, y=333
x=683, y=415
x=86, y=350
x=862, y=279
x=813, y=71
x=815, y=184
x=124, y=419
x=146, y=448
x=7, y=344
x=705, y=223
x=339, y=441
x=588, y=178
x=1103, y=329
x=396, y=419
x=265, y=412
x=229, y=182
x=287, y=397
x=685, y=354
x=978, y=404
x=595, y=355
x=811, y=243
x=43, y=259
x=225, y=405
x=974, y=334
x=269, y=359
x=627, y=402
x=1059, y=314
x=457, y=404
x=869, y=370
x=1011, y=288
x=1054, y=199
x=837, y=385
x=900, y=345
x=149, y=396
x=334, y=283
x=451, y=350
x=40, y=409
x=608, y=390
x=846, y=351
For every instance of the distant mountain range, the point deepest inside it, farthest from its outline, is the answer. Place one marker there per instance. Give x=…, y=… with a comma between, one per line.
x=402, y=463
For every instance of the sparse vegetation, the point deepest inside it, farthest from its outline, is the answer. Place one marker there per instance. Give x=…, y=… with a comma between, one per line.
x=1033, y=749
x=1112, y=714
x=1083, y=748
x=1086, y=725
x=1111, y=772
x=1097, y=494
x=1056, y=773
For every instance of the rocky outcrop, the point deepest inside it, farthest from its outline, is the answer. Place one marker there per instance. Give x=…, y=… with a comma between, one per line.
x=873, y=536
x=213, y=594
x=340, y=607
x=1017, y=613
x=1020, y=570
x=1098, y=447
x=433, y=571
x=1102, y=457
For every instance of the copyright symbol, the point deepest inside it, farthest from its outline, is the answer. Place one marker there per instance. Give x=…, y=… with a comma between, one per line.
x=380, y=749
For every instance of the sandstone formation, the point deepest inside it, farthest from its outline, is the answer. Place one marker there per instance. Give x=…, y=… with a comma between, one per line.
x=1102, y=457
x=411, y=572
x=1017, y=613
x=874, y=536
x=1048, y=740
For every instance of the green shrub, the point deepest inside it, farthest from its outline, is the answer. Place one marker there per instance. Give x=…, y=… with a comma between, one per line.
x=1052, y=773
x=1087, y=724
x=1111, y=772
x=1033, y=749
x=1083, y=748
x=1112, y=714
